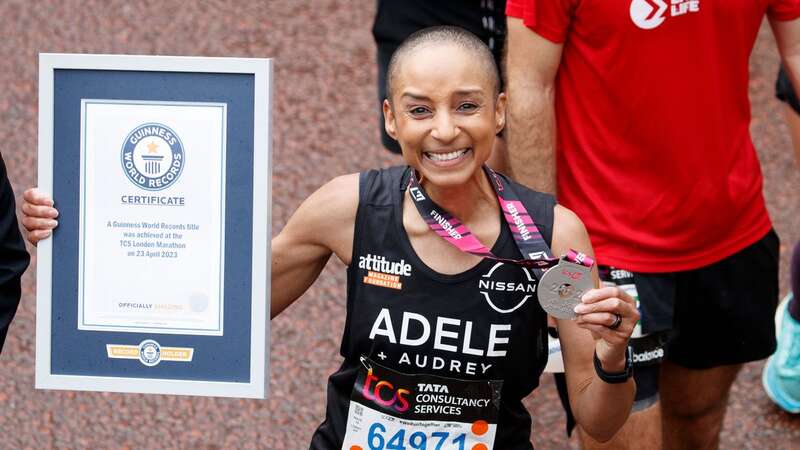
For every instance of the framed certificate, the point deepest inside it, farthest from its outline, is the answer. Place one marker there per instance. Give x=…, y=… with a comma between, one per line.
x=156, y=279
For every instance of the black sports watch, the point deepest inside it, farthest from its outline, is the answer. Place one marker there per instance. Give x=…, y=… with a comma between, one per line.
x=619, y=377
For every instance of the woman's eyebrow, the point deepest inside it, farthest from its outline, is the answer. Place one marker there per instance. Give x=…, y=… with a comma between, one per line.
x=469, y=91
x=460, y=92
x=414, y=96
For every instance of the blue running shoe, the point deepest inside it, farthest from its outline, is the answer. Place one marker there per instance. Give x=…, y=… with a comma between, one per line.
x=781, y=376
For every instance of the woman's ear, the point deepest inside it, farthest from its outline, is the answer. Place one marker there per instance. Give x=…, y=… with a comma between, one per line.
x=388, y=119
x=500, y=112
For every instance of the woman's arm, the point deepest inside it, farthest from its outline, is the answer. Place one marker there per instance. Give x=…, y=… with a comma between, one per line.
x=323, y=224
x=599, y=407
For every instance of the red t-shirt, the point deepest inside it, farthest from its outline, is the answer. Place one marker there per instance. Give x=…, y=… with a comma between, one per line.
x=654, y=149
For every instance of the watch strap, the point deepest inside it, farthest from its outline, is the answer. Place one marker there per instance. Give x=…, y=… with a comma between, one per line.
x=619, y=377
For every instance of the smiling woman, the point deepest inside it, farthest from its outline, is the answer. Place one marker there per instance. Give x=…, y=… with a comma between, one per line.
x=444, y=113
x=443, y=337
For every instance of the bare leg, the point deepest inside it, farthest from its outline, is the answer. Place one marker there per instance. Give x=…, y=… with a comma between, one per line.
x=693, y=404
x=642, y=431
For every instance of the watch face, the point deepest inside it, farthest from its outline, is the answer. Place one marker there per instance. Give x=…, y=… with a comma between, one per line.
x=562, y=287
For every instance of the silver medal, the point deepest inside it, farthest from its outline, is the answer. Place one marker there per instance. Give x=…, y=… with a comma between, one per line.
x=561, y=288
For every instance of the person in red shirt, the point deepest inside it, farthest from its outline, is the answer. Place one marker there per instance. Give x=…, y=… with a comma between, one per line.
x=636, y=112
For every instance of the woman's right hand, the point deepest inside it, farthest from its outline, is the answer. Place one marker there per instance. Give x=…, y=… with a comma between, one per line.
x=39, y=215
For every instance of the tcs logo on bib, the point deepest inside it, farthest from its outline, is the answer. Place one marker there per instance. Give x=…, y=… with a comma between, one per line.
x=648, y=14
x=390, y=398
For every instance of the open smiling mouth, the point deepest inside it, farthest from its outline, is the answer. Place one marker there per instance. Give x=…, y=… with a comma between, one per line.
x=445, y=157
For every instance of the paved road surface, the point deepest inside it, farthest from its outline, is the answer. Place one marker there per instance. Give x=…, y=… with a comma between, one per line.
x=324, y=126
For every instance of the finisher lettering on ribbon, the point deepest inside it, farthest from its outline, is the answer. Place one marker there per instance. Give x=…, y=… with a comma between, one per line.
x=526, y=236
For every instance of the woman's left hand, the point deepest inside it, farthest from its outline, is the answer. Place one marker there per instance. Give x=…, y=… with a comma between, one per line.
x=611, y=315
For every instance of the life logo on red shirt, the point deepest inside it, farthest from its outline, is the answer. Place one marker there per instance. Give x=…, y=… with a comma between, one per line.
x=648, y=14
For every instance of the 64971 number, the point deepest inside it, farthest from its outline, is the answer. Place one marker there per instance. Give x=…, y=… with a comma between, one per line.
x=377, y=439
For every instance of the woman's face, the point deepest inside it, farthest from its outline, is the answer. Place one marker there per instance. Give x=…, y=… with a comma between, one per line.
x=444, y=113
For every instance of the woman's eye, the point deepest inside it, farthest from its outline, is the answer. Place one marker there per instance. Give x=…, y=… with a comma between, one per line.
x=418, y=111
x=469, y=107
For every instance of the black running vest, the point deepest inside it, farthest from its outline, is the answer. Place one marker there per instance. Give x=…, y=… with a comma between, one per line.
x=484, y=324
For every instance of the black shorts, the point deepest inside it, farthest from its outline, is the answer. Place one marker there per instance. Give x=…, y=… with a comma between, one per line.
x=396, y=20
x=716, y=315
x=785, y=92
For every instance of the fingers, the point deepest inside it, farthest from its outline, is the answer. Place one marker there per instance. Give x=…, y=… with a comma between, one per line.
x=38, y=228
x=39, y=211
x=599, y=327
x=38, y=215
x=37, y=235
x=35, y=223
x=605, y=319
x=599, y=310
x=612, y=300
x=615, y=305
x=36, y=197
x=38, y=224
x=596, y=295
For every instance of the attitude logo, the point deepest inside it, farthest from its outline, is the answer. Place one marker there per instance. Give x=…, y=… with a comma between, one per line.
x=152, y=156
x=382, y=272
x=505, y=289
x=648, y=14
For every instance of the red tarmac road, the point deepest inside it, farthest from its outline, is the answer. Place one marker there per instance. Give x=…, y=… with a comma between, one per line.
x=325, y=125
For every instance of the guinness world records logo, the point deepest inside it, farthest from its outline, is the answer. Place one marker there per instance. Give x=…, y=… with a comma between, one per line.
x=149, y=352
x=152, y=156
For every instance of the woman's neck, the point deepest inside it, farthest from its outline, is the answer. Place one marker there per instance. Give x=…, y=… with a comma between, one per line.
x=474, y=198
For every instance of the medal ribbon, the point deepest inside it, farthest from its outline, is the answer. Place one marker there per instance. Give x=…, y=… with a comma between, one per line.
x=524, y=231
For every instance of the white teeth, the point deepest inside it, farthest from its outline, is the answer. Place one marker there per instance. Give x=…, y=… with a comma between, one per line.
x=446, y=156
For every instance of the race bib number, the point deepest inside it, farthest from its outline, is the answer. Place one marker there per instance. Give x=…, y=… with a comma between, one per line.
x=394, y=411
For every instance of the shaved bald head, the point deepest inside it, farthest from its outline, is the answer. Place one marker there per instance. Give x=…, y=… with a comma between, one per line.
x=443, y=35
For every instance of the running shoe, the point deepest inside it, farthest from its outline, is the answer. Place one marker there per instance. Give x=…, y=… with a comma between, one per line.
x=781, y=376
